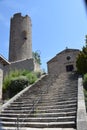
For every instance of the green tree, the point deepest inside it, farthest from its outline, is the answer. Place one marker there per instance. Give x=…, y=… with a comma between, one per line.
x=36, y=57
x=81, y=62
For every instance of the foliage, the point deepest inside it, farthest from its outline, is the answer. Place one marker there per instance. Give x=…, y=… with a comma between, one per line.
x=31, y=77
x=16, y=80
x=85, y=81
x=38, y=74
x=85, y=94
x=10, y=76
x=85, y=88
x=17, y=84
x=81, y=62
x=36, y=57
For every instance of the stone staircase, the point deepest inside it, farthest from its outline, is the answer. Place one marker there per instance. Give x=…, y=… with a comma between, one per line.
x=49, y=103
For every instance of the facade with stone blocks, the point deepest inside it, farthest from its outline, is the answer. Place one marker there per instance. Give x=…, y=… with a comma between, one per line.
x=3, y=63
x=64, y=61
x=27, y=64
x=20, y=47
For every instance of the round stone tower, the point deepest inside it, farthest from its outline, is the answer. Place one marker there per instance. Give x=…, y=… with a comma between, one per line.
x=20, y=46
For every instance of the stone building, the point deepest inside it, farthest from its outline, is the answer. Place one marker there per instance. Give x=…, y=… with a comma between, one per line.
x=64, y=61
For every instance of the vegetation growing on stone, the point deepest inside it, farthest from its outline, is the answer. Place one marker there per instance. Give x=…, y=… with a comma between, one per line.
x=17, y=80
x=81, y=62
x=17, y=84
x=85, y=81
x=85, y=93
x=36, y=57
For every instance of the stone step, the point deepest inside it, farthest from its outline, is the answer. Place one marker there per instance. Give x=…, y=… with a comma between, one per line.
x=54, y=90
x=36, y=114
x=27, y=128
x=69, y=124
x=51, y=110
x=58, y=106
x=26, y=106
x=42, y=107
x=50, y=97
x=60, y=99
x=61, y=114
x=57, y=103
x=58, y=94
x=39, y=119
x=39, y=111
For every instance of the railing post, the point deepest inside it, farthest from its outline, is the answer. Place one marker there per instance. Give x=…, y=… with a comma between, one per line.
x=48, y=87
x=41, y=96
x=33, y=106
x=17, y=123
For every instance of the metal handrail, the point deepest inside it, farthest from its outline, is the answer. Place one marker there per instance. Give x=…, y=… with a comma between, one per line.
x=31, y=110
x=34, y=104
x=33, y=107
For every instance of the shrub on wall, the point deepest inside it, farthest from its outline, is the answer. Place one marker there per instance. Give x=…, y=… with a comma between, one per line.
x=85, y=81
x=31, y=77
x=17, y=84
x=85, y=93
x=16, y=80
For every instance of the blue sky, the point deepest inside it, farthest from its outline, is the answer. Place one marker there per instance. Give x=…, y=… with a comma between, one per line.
x=56, y=24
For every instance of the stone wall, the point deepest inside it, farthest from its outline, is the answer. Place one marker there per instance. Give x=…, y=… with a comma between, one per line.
x=1, y=80
x=81, y=108
x=63, y=61
x=27, y=64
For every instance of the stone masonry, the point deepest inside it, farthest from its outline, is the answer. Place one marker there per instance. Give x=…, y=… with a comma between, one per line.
x=20, y=38
x=64, y=61
x=3, y=63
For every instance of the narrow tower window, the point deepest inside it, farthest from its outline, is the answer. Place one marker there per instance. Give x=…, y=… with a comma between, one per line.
x=24, y=35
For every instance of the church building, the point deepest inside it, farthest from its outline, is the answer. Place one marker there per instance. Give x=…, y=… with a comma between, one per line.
x=65, y=61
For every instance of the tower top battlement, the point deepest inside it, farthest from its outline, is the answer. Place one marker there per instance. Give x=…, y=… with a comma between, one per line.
x=17, y=15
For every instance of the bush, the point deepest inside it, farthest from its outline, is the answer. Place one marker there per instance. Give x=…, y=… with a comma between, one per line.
x=81, y=62
x=31, y=77
x=85, y=81
x=85, y=94
x=16, y=80
x=16, y=85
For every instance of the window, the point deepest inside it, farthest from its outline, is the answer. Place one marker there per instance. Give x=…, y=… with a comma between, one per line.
x=68, y=58
x=69, y=68
x=25, y=35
